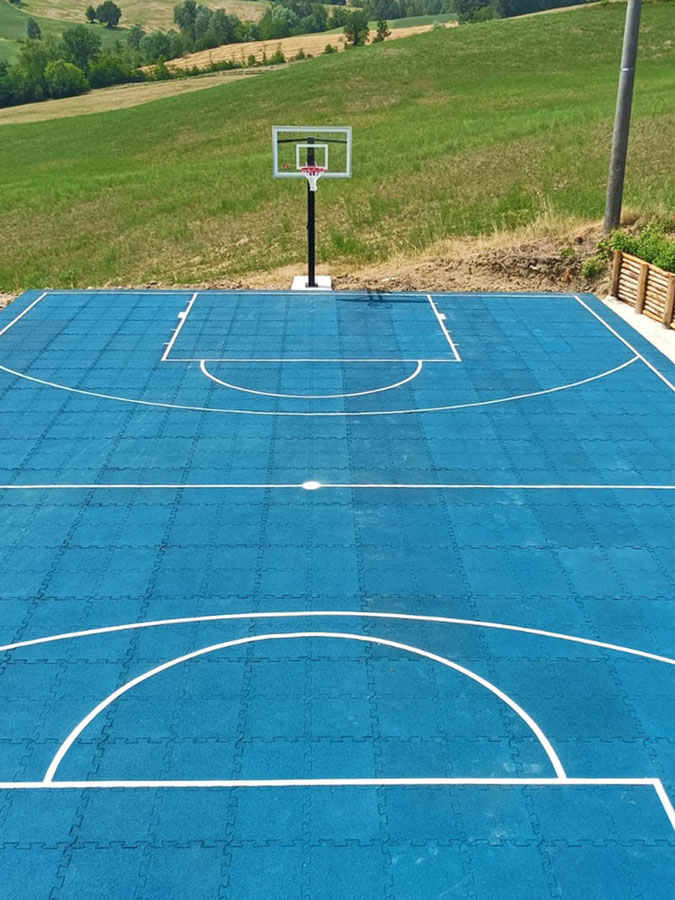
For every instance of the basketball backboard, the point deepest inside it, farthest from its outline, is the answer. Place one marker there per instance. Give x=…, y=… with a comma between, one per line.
x=298, y=146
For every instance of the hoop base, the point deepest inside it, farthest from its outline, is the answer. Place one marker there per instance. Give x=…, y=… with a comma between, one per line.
x=323, y=283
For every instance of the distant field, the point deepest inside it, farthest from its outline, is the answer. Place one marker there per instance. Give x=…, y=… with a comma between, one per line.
x=121, y=96
x=13, y=27
x=456, y=132
x=313, y=44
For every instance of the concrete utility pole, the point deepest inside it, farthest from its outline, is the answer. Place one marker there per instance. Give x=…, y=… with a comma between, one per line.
x=624, y=102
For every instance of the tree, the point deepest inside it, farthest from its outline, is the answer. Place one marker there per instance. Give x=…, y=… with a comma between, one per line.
x=155, y=46
x=33, y=30
x=134, y=37
x=108, y=13
x=63, y=79
x=185, y=16
x=80, y=46
x=382, y=31
x=475, y=10
x=356, y=29
x=111, y=68
x=90, y=14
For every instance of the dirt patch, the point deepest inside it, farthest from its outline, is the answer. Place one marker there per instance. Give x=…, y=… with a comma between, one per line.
x=505, y=262
x=548, y=264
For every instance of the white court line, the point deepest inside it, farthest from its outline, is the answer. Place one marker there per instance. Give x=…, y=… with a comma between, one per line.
x=306, y=359
x=251, y=639
x=235, y=387
x=333, y=782
x=332, y=613
x=626, y=343
x=182, y=318
x=216, y=486
x=441, y=321
x=385, y=412
x=22, y=314
x=656, y=783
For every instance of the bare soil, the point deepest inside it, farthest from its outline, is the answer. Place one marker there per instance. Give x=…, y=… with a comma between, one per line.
x=500, y=262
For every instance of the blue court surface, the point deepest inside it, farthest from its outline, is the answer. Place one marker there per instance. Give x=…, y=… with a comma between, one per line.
x=335, y=596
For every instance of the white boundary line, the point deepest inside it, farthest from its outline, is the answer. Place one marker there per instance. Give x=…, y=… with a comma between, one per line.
x=440, y=317
x=348, y=614
x=626, y=343
x=251, y=639
x=22, y=314
x=308, y=359
x=79, y=785
x=655, y=783
x=235, y=387
x=334, y=782
x=216, y=486
x=182, y=318
x=385, y=412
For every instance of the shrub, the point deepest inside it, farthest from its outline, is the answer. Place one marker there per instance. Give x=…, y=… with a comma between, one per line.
x=277, y=57
x=593, y=266
x=33, y=30
x=63, y=79
x=652, y=244
x=300, y=55
x=329, y=48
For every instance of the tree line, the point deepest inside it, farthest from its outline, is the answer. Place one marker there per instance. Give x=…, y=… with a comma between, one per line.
x=483, y=10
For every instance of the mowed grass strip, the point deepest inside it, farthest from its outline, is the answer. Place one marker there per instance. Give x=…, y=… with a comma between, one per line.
x=456, y=132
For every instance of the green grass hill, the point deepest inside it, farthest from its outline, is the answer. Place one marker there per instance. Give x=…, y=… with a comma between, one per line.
x=13, y=27
x=457, y=131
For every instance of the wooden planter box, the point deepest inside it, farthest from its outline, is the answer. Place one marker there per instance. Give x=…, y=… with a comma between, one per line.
x=649, y=289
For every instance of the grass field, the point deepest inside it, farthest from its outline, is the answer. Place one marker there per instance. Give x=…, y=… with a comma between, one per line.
x=456, y=132
x=13, y=27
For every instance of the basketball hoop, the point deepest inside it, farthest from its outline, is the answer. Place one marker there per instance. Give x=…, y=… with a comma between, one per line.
x=312, y=174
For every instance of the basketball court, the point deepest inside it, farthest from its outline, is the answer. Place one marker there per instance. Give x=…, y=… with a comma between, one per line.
x=334, y=595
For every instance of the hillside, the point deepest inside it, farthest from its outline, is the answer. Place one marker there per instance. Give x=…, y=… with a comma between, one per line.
x=13, y=26
x=457, y=132
x=312, y=44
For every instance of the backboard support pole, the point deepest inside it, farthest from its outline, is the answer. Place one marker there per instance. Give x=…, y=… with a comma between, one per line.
x=311, y=223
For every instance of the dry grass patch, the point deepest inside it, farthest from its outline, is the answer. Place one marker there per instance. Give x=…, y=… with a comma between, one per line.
x=313, y=44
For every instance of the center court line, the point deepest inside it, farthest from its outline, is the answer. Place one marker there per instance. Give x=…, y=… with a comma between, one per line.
x=236, y=387
x=387, y=412
x=216, y=486
x=251, y=639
